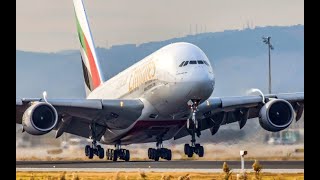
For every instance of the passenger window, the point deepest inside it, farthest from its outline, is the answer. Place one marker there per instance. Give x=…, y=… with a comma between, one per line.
x=181, y=64
x=206, y=63
x=200, y=62
x=186, y=63
x=193, y=62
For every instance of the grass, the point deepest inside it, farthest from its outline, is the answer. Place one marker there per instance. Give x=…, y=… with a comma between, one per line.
x=148, y=176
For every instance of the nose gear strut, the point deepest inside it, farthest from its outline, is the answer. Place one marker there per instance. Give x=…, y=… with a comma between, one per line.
x=193, y=128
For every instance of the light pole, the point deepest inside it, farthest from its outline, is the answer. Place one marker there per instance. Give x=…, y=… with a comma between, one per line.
x=242, y=154
x=267, y=41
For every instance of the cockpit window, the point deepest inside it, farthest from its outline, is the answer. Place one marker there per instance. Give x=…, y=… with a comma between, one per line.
x=206, y=63
x=184, y=63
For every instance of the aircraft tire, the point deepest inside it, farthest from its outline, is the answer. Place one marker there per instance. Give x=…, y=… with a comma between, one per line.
x=100, y=152
x=186, y=149
x=127, y=155
x=90, y=153
x=115, y=155
x=86, y=150
x=200, y=151
x=169, y=155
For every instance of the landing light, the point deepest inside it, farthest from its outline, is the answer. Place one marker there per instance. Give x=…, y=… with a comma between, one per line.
x=121, y=103
x=208, y=103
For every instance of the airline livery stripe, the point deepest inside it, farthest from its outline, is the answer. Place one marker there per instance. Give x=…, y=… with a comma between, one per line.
x=86, y=47
x=86, y=75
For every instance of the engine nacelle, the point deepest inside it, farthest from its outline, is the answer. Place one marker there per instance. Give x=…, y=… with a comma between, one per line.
x=276, y=115
x=40, y=118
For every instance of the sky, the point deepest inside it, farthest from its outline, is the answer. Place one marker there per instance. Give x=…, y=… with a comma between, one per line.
x=49, y=25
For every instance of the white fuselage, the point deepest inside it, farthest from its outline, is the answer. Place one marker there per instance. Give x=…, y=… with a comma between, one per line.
x=163, y=84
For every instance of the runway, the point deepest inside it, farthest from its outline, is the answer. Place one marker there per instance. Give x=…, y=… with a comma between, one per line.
x=291, y=165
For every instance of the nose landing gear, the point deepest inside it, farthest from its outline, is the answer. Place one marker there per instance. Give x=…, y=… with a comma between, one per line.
x=193, y=127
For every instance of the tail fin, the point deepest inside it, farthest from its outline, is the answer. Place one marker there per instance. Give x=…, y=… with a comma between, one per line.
x=90, y=63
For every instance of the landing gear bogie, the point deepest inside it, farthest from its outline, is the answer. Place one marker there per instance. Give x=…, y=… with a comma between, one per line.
x=156, y=154
x=94, y=149
x=159, y=152
x=116, y=154
x=190, y=150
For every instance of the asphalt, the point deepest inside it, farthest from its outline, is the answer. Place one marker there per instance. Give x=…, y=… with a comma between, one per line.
x=161, y=164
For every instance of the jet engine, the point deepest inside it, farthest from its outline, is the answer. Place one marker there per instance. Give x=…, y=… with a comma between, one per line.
x=40, y=118
x=276, y=115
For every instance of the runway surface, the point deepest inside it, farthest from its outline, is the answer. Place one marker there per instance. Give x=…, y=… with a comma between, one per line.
x=156, y=165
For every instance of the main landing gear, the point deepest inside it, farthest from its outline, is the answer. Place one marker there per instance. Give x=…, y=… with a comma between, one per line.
x=193, y=127
x=114, y=154
x=159, y=152
x=94, y=149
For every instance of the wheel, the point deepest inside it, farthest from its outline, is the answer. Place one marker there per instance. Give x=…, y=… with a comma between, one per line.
x=149, y=153
x=86, y=150
x=186, y=149
x=190, y=151
x=127, y=155
x=100, y=151
x=111, y=154
x=90, y=153
x=162, y=153
x=122, y=154
x=152, y=153
x=200, y=151
x=115, y=155
x=169, y=155
x=197, y=146
x=107, y=154
x=157, y=157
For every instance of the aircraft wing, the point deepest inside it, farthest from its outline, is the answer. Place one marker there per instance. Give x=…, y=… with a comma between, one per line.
x=218, y=111
x=76, y=115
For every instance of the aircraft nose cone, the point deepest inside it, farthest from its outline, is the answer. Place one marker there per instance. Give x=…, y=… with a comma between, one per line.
x=202, y=83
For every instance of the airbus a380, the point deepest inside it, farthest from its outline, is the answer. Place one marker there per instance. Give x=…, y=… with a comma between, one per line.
x=166, y=95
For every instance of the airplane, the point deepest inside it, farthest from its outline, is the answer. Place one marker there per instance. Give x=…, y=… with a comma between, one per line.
x=166, y=95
